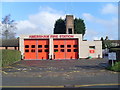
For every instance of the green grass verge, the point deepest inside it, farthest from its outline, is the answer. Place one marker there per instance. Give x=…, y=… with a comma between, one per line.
x=10, y=56
x=115, y=68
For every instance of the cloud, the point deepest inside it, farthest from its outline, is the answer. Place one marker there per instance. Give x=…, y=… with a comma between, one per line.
x=88, y=16
x=91, y=18
x=91, y=34
x=109, y=9
x=25, y=24
x=101, y=26
x=107, y=23
x=96, y=38
x=39, y=23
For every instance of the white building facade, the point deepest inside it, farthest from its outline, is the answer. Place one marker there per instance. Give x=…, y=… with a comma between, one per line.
x=58, y=47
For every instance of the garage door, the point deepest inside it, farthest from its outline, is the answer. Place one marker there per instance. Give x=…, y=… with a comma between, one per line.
x=65, y=49
x=36, y=49
x=72, y=49
x=43, y=49
x=59, y=49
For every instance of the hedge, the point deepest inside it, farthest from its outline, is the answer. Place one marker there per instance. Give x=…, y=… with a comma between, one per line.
x=10, y=56
x=115, y=67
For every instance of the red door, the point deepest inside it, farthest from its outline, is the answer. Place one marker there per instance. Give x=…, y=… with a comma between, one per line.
x=59, y=49
x=27, y=49
x=33, y=48
x=66, y=49
x=69, y=44
x=36, y=49
x=43, y=49
x=30, y=49
x=72, y=49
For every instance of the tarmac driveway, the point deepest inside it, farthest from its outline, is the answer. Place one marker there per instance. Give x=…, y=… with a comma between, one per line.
x=58, y=73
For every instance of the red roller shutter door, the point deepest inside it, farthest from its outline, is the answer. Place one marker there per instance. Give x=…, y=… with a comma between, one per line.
x=33, y=49
x=66, y=49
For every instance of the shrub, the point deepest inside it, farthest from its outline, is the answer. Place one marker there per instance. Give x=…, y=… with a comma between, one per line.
x=10, y=56
x=116, y=67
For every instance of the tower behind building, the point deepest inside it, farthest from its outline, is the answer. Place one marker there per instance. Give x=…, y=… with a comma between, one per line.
x=69, y=24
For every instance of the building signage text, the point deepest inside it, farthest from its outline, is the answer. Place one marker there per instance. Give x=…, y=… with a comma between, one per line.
x=51, y=36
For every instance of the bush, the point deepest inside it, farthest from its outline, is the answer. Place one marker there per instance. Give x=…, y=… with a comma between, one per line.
x=116, y=67
x=10, y=56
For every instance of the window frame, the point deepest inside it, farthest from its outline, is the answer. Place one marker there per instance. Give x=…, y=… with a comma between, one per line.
x=32, y=50
x=74, y=50
x=55, y=45
x=55, y=49
x=68, y=49
x=26, y=45
x=25, y=50
x=61, y=50
x=39, y=50
x=47, y=50
x=62, y=46
x=91, y=47
x=46, y=45
x=32, y=46
x=75, y=46
x=39, y=46
x=68, y=46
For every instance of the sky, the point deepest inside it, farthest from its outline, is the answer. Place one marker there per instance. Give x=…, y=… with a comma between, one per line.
x=101, y=18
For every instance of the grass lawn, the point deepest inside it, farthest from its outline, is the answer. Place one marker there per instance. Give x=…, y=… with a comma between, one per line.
x=10, y=56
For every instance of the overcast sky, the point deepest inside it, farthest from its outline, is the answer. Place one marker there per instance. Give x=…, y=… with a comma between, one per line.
x=101, y=18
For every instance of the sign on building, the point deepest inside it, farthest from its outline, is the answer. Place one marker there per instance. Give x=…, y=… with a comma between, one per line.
x=92, y=51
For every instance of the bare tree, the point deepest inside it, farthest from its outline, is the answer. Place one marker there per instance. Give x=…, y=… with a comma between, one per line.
x=8, y=28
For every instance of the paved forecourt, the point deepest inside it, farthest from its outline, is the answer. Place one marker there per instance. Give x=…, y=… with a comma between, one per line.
x=58, y=73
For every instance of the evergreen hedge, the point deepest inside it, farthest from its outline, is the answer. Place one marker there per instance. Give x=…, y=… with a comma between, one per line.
x=10, y=56
x=116, y=66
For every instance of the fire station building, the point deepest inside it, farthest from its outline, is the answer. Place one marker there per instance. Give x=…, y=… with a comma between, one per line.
x=59, y=46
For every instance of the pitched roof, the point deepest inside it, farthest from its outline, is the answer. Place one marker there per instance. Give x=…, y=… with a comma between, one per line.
x=113, y=41
x=9, y=42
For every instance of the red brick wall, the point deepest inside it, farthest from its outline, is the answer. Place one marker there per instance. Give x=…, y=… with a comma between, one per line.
x=11, y=48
